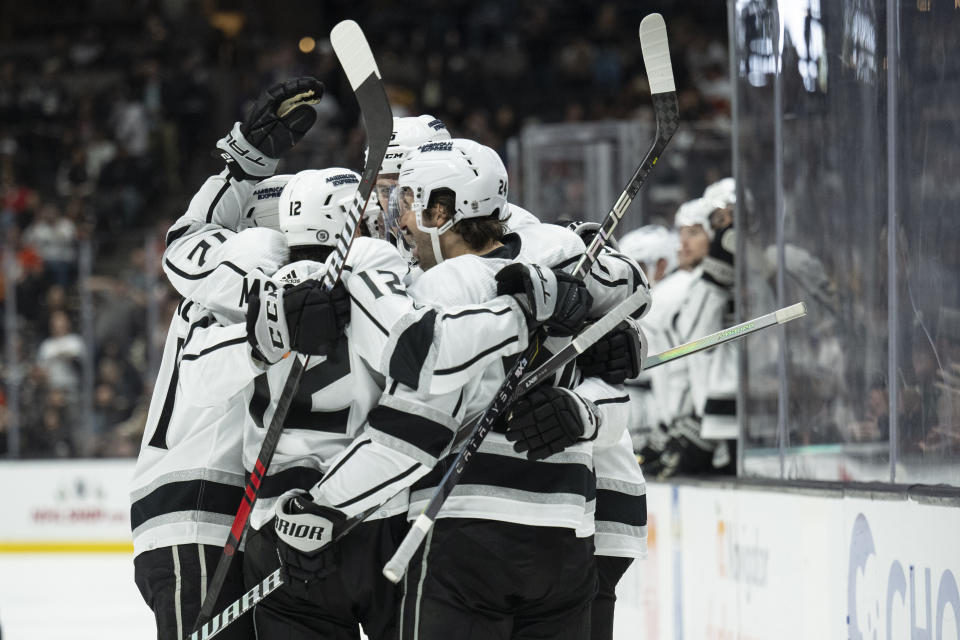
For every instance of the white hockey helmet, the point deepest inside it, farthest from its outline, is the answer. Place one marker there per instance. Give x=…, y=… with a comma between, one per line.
x=408, y=134
x=695, y=212
x=721, y=194
x=262, y=207
x=473, y=172
x=649, y=244
x=314, y=206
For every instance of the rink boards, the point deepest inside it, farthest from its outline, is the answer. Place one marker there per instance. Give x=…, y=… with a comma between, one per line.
x=725, y=561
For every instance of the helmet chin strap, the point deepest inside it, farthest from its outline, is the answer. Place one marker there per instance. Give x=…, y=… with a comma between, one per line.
x=434, y=233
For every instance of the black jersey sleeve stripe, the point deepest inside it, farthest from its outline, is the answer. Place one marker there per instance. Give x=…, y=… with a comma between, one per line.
x=616, y=400
x=610, y=283
x=372, y=490
x=203, y=274
x=411, y=350
x=175, y=234
x=187, y=495
x=224, y=344
x=159, y=437
x=344, y=459
x=637, y=276
x=471, y=312
x=370, y=315
x=275, y=485
x=613, y=506
x=461, y=367
x=216, y=200
x=720, y=407
x=424, y=434
x=202, y=323
x=491, y=470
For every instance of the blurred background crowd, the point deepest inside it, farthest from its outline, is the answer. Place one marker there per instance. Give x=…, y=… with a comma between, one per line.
x=109, y=111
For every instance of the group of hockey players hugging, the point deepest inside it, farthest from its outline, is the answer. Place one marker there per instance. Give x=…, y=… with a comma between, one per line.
x=440, y=292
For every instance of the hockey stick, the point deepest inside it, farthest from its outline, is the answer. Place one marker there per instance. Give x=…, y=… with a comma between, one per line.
x=656, y=56
x=358, y=63
x=583, y=341
x=598, y=329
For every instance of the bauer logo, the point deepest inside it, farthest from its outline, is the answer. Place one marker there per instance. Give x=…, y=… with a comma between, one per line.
x=343, y=178
x=437, y=124
x=436, y=146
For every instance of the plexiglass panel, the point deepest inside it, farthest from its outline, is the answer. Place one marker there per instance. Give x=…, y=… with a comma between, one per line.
x=928, y=244
x=824, y=172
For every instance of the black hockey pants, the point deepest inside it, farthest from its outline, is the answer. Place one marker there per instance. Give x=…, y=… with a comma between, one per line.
x=173, y=581
x=489, y=580
x=609, y=569
x=357, y=593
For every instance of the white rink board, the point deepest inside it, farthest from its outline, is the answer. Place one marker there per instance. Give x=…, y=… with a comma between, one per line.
x=735, y=563
x=66, y=501
x=724, y=563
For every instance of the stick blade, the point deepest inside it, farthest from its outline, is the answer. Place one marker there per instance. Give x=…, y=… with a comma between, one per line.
x=656, y=54
x=792, y=312
x=354, y=53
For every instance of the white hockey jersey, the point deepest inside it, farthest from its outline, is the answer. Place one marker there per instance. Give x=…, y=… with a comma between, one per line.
x=499, y=484
x=188, y=480
x=387, y=335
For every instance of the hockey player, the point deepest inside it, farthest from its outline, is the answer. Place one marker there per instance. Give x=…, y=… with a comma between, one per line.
x=188, y=479
x=387, y=333
x=703, y=430
x=528, y=511
x=654, y=247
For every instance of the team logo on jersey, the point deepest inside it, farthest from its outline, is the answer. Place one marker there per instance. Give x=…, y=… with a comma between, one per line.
x=436, y=146
x=342, y=179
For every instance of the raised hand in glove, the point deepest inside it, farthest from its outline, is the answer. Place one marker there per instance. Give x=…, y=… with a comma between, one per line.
x=305, y=532
x=617, y=356
x=547, y=296
x=718, y=264
x=305, y=318
x=548, y=420
x=281, y=116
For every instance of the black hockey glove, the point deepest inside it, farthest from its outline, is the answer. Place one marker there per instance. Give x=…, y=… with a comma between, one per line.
x=305, y=318
x=548, y=420
x=617, y=356
x=281, y=116
x=316, y=317
x=718, y=265
x=547, y=296
x=305, y=532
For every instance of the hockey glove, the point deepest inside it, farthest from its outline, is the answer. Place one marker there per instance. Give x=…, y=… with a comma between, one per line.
x=549, y=297
x=305, y=318
x=548, y=420
x=718, y=265
x=267, y=330
x=686, y=452
x=617, y=356
x=316, y=317
x=281, y=116
x=305, y=531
